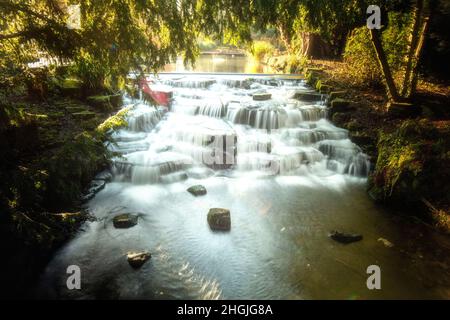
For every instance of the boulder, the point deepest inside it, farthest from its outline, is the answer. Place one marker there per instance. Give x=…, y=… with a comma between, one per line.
x=137, y=259
x=345, y=237
x=262, y=96
x=197, y=190
x=125, y=220
x=219, y=219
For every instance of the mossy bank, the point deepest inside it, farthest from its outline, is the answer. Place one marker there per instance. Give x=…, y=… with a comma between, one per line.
x=51, y=150
x=409, y=150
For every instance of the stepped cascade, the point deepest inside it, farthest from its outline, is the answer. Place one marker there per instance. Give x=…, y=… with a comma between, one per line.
x=214, y=122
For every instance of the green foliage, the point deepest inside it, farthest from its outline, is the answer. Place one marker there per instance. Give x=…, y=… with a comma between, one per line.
x=72, y=167
x=412, y=164
x=361, y=63
x=296, y=63
x=114, y=122
x=262, y=50
x=116, y=36
x=207, y=44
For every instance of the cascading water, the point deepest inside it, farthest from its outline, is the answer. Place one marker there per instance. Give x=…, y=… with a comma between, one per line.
x=286, y=173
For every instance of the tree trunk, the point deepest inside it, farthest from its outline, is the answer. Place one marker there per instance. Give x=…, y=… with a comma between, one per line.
x=386, y=70
x=305, y=43
x=410, y=63
x=417, y=54
x=285, y=37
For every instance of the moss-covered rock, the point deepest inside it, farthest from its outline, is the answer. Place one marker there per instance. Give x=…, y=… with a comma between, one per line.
x=323, y=87
x=337, y=94
x=412, y=165
x=311, y=79
x=115, y=122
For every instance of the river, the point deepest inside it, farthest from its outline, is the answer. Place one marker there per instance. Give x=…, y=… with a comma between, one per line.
x=228, y=63
x=294, y=177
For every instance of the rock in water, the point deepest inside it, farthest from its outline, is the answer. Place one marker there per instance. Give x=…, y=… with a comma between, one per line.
x=345, y=237
x=197, y=190
x=126, y=220
x=219, y=219
x=94, y=187
x=137, y=259
x=262, y=96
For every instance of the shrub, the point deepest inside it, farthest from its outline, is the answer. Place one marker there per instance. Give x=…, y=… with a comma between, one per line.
x=262, y=50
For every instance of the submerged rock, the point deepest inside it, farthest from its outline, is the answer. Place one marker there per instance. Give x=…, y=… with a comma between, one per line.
x=197, y=190
x=94, y=187
x=126, y=220
x=344, y=237
x=219, y=219
x=137, y=259
x=262, y=96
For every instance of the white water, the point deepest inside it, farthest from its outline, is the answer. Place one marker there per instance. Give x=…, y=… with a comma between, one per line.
x=288, y=176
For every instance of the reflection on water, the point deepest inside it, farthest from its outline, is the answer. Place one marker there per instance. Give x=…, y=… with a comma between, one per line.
x=220, y=63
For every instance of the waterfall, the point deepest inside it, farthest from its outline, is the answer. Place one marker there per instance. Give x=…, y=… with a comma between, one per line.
x=143, y=118
x=214, y=124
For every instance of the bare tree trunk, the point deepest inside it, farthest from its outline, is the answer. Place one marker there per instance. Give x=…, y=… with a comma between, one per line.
x=285, y=38
x=306, y=40
x=417, y=54
x=386, y=70
x=410, y=63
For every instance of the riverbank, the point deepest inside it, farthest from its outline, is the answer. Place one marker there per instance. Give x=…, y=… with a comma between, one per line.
x=52, y=147
x=409, y=150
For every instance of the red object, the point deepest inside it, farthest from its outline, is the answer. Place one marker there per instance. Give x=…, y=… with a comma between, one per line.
x=160, y=97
